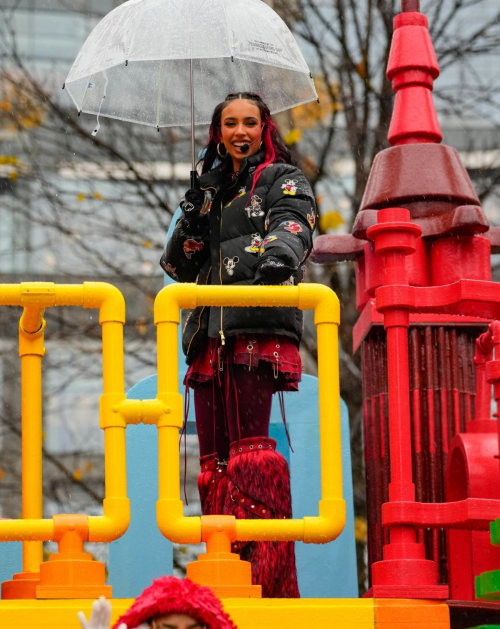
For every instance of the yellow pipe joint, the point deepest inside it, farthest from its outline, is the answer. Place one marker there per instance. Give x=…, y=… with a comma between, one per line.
x=31, y=343
x=108, y=299
x=174, y=525
x=110, y=410
x=328, y=525
x=118, y=411
x=113, y=523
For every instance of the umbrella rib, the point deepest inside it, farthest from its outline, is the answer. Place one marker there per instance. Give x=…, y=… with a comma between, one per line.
x=230, y=36
x=159, y=95
x=89, y=82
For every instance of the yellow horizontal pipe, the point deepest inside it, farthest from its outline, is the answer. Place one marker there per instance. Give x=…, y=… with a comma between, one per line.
x=331, y=520
x=100, y=295
x=318, y=530
x=26, y=530
x=175, y=297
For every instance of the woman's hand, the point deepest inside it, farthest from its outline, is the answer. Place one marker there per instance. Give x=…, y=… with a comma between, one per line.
x=193, y=200
x=100, y=616
x=195, y=206
x=271, y=270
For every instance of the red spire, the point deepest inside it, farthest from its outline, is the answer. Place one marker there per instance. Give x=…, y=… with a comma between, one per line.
x=412, y=68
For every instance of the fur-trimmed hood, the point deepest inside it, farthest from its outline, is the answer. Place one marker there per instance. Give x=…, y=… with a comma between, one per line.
x=170, y=595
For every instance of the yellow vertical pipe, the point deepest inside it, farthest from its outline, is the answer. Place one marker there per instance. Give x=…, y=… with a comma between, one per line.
x=329, y=397
x=168, y=363
x=31, y=412
x=112, y=357
x=114, y=436
x=168, y=463
x=115, y=464
x=168, y=437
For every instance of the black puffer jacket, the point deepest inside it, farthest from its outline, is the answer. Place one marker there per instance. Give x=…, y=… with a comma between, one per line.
x=237, y=236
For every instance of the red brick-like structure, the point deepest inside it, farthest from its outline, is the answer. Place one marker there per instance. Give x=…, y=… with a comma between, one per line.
x=427, y=423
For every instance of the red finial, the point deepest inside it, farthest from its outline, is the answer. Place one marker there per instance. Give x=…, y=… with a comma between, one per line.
x=412, y=68
x=410, y=6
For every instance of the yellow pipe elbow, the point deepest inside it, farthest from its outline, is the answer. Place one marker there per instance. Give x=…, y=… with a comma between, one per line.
x=107, y=298
x=113, y=523
x=32, y=343
x=32, y=322
x=172, y=299
x=329, y=525
x=174, y=525
x=322, y=300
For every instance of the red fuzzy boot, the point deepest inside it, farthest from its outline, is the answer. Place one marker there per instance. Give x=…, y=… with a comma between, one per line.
x=258, y=486
x=212, y=485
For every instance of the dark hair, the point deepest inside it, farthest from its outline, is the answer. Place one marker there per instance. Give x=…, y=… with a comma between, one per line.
x=276, y=149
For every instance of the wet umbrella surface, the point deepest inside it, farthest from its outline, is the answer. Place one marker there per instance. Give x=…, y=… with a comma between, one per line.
x=150, y=61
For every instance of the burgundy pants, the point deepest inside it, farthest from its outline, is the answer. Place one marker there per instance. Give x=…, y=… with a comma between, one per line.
x=236, y=406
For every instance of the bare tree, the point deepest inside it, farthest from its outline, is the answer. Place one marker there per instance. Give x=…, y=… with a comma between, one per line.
x=75, y=207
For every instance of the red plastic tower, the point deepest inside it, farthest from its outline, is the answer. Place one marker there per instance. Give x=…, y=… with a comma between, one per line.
x=419, y=381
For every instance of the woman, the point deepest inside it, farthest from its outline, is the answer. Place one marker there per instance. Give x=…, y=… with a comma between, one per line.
x=257, y=230
x=168, y=603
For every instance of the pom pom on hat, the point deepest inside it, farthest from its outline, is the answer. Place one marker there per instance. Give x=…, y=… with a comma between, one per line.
x=170, y=595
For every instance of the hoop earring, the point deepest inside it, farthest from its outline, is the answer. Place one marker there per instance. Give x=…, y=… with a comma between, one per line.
x=218, y=150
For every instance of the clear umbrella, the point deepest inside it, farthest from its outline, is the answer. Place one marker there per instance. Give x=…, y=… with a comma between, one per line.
x=170, y=62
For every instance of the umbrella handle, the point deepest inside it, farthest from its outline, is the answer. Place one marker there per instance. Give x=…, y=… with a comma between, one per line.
x=195, y=183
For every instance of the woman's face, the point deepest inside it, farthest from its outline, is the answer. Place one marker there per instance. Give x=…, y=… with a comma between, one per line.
x=176, y=621
x=241, y=123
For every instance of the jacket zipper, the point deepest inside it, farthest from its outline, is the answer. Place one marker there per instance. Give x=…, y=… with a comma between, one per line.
x=221, y=331
x=199, y=318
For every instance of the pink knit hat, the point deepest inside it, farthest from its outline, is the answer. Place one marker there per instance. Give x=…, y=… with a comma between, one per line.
x=170, y=595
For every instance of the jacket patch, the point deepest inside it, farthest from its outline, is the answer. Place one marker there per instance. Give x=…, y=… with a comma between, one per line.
x=255, y=244
x=290, y=186
x=292, y=226
x=186, y=206
x=230, y=264
x=172, y=271
x=191, y=247
x=241, y=193
x=267, y=241
x=255, y=208
x=311, y=219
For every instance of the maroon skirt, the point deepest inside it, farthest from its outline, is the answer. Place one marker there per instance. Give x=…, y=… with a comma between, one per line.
x=248, y=350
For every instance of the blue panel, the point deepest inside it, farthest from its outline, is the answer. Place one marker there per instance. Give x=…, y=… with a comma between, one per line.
x=142, y=554
x=328, y=571
x=11, y=560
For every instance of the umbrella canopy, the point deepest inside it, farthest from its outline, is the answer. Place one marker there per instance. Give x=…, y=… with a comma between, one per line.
x=151, y=61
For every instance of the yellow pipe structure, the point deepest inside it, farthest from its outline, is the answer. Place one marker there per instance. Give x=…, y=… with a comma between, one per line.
x=331, y=519
x=31, y=352
x=35, y=297
x=31, y=422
